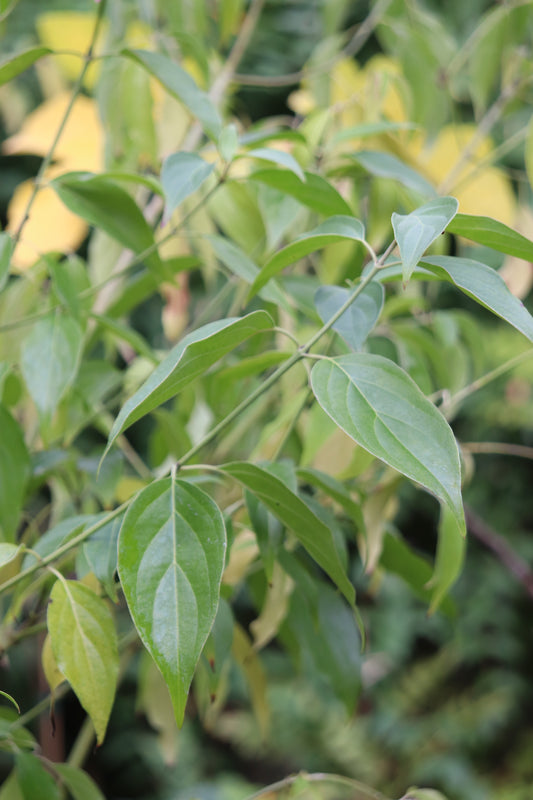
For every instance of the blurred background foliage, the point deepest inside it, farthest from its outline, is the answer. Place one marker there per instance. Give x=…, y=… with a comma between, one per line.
x=446, y=700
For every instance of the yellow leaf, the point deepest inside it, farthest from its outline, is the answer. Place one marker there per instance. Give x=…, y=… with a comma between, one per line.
x=52, y=673
x=71, y=30
x=244, y=551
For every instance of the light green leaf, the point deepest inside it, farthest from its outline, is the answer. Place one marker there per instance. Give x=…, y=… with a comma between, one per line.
x=181, y=175
x=315, y=193
x=335, y=229
x=189, y=359
x=16, y=64
x=240, y=264
x=181, y=85
x=106, y=205
x=276, y=157
x=171, y=556
x=366, y=129
x=416, y=231
x=359, y=319
x=450, y=557
x=385, y=165
x=100, y=550
x=50, y=359
x=296, y=515
x=491, y=233
x=484, y=285
x=6, y=251
x=228, y=142
x=11, y=699
x=11, y=788
x=15, y=471
x=84, y=643
x=528, y=154
x=34, y=780
x=423, y=794
x=376, y=403
x=78, y=783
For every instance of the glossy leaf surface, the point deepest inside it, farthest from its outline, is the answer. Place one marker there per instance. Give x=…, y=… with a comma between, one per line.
x=359, y=319
x=416, y=231
x=171, y=556
x=376, y=403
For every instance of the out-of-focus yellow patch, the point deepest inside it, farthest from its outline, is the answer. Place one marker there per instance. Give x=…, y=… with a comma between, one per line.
x=71, y=30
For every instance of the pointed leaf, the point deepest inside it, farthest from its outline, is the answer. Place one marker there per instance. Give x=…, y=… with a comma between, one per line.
x=49, y=360
x=103, y=203
x=491, y=233
x=15, y=471
x=78, y=783
x=34, y=780
x=189, y=359
x=335, y=229
x=181, y=175
x=484, y=285
x=385, y=165
x=315, y=536
x=383, y=410
x=316, y=193
x=277, y=157
x=100, y=550
x=84, y=643
x=16, y=64
x=6, y=251
x=11, y=699
x=171, y=556
x=181, y=85
x=416, y=231
x=449, y=560
x=359, y=319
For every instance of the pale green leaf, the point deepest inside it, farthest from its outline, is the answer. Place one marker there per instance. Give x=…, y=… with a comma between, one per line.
x=385, y=165
x=228, y=142
x=335, y=229
x=492, y=233
x=180, y=84
x=315, y=536
x=416, y=231
x=484, y=285
x=50, y=359
x=315, y=192
x=189, y=359
x=449, y=559
x=14, y=65
x=376, y=403
x=84, y=643
x=15, y=471
x=78, y=783
x=279, y=157
x=181, y=175
x=366, y=129
x=240, y=264
x=171, y=556
x=359, y=319
x=6, y=251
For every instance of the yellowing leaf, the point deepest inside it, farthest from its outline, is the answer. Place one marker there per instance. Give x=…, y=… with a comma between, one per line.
x=244, y=551
x=52, y=673
x=70, y=30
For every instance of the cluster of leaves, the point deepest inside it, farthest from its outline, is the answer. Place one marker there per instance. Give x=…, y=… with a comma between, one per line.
x=300, y=348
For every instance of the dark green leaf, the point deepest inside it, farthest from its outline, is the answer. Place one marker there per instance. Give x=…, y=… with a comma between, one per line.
x=315, y=192
x=187, y=361
x=100, y=550
x=449, y=560
x=335, y=229
x=484, y=285
x=359, y=319
x=416, y=231
x=383, y=410
x=16, y=64
x=34, y=780
x=181, y=175
x=491, y=233
x=15, y=472
x=6, y=251
x=295, y=514
x=385, y=165
x=170, y=558
x=181, y=85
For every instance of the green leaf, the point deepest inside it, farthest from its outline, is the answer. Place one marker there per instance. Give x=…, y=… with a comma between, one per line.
x=316, y=193
x=78, y=783
x=228, y=142
x=16, y=64
x=11, y=699
x=276, y=157
x=49, y=360
x=189, y=359
x=240, y=264
x=296, y=515
x=449, y=560
x=15, y=471
x=126, y=334
x=34, y=780
x=171, y=556
x=416, y=231
x=336, y=490
x=6, y=251
x=359, y=319
x=100, y=550
x=180, y=84
x=484, y=285
x=383, y=410
x=181, y=175
x=332, y=230
x=11, y=788
x=84, y=643
x=106, y=205
x=491, y=233
x=385, y=165
x=365, y=129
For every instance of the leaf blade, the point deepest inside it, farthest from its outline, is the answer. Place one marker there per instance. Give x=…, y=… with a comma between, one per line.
x=181, y=175
x=416, y=231
x=492, y=233
x=12, y=67
x=359, y=319
x=15, y=471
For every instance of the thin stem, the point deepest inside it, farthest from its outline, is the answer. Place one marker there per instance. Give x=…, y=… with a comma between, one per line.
x=498, y=448
x=481, y=382
x=75, y=92
x=40, y=707
x=82, y=745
